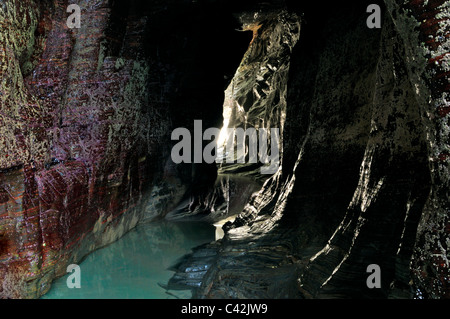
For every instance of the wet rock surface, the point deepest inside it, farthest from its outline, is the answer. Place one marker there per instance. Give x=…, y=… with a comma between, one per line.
x=356, y=180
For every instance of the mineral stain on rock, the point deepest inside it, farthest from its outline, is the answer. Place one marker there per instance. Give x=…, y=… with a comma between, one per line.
x=86, y=116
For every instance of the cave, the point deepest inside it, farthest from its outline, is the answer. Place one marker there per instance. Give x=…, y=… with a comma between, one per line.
x=338, y=187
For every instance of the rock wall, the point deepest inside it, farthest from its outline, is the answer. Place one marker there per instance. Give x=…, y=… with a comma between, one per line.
x=86, y=116
x=431, y=22
x=256, y=96
x=364, y=172
x=76, y=153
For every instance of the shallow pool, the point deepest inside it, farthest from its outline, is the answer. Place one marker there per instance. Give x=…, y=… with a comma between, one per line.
x=132, y=267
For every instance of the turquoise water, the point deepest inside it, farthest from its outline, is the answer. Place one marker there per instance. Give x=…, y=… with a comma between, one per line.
x=132, y=267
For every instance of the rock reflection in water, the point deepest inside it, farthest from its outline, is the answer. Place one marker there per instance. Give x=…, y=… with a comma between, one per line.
x=133, y=267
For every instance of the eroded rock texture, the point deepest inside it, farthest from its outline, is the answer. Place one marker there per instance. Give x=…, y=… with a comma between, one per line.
x=85, y=120
x=364, y=176
x=431, y=265
x=68, y=186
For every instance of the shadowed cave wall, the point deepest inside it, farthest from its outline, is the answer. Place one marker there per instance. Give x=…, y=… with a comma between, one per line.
x=86, y=117
x=359, y=177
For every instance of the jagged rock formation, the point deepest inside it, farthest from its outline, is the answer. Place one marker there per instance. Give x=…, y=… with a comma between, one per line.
x=361, y=174
x=255, y=97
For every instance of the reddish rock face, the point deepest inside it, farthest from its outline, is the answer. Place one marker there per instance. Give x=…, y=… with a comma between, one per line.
x=431, y=266
x=85, y=122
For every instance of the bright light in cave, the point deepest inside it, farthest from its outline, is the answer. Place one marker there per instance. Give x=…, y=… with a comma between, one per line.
x=221, y=141
x=229, y=104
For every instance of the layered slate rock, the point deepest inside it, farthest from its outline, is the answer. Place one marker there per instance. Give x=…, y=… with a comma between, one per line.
x=86, y=116
x=364, y=173
x=75, y=154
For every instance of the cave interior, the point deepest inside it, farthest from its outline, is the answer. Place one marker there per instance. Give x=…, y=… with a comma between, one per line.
x=86, y=116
